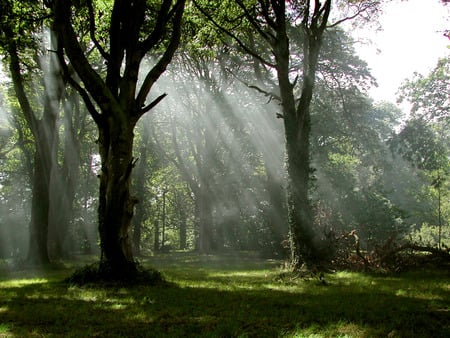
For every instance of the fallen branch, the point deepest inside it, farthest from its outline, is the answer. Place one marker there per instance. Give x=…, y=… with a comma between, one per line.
x=390, y=256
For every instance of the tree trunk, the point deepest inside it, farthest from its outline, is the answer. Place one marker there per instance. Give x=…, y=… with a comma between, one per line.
x=38, y=251
x=116, y=103
x=45, y=137
x=275, y=214
x=141, y=176
x=304, y=247
x=64, y=183
x=304, y=243
x=44, y=158
x=115, y=202
x=183, y=228
x=156, y=244
x=204, y=218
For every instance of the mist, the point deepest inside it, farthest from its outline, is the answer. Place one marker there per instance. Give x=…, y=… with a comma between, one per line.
x=225, y=141
x=210, y=170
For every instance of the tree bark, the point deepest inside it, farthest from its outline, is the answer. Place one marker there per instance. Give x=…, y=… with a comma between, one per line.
x=115, y=201
x=40, y=204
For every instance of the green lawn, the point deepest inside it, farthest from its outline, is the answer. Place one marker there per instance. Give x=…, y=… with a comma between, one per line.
x=228, y=296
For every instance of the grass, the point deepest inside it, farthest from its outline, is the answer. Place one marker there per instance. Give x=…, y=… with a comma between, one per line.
x=228, y=296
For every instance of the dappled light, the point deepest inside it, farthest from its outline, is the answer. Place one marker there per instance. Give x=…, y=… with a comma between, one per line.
x=246, y=300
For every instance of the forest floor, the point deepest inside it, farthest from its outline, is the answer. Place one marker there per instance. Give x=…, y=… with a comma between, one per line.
x=227, y=296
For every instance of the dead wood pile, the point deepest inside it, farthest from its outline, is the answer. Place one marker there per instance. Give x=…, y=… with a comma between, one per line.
x=393, y=255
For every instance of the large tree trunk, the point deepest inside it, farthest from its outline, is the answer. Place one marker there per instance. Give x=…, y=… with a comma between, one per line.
x=304, y=246
x=40, y=204
x=297, y=129
x=115, y=202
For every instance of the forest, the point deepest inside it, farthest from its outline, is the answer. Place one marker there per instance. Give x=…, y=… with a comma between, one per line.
x=150, y=138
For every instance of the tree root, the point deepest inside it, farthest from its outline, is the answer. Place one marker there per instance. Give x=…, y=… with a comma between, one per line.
x=93, y=275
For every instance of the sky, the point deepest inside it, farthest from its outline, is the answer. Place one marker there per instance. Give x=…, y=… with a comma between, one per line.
x=411, y=40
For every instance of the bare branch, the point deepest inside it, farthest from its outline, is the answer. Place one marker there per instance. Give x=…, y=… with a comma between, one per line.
x=164, y=16
x=68, y=40
x=83, y=93
x=234, y=37
x=266, y=36
x=266, y=93
x=92, y=26
x=152, y=104
x=362, y=8
x=164, y=61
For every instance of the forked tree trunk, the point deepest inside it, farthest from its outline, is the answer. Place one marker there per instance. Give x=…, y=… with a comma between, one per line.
x=119, y=103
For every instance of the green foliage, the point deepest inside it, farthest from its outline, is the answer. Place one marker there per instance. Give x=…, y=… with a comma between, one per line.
x=24, y=19
x=429, y=94
x=353, y=162
x=421, y=145
x=427, y=234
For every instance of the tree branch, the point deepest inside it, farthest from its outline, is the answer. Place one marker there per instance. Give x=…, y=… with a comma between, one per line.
x=92, y=32
x=67, y=36
x=83, y=93
x=164, y=61
x=266, y=36
x=234, y=37
x=153, y=104
x=164, y=15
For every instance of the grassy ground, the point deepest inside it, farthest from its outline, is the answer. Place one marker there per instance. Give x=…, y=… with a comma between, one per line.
x=228, y=296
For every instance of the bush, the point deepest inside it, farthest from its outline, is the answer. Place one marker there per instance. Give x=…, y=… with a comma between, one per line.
x=429, y=235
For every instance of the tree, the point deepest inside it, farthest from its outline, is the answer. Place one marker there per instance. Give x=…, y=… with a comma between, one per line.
x=116, y=100
x=429, y=94
x=423, y=148
x=44, y=129
x=424, y=140
x=274, y=21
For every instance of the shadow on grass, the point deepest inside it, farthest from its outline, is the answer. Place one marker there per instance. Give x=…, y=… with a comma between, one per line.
x=372, y=308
